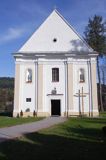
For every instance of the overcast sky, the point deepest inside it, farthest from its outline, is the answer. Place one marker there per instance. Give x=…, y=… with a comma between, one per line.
x=20, y=18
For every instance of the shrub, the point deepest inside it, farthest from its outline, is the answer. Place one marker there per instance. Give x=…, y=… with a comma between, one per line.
x=21, y=113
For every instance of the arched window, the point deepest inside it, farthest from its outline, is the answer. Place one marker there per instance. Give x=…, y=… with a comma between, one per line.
x=29, y=75
x=55, y=74
x=81, y=75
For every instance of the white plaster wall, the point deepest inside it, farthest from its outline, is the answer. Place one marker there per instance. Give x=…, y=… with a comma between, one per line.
x=27, y=90
x=55, y=26
x=76, y=66
x=49, y=85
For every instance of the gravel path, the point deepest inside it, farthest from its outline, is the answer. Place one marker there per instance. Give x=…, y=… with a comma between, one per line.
x=16, y=131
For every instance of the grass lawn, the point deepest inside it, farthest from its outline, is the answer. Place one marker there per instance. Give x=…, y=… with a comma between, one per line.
x=10, y=121
x=77, y=138
x=103, y=114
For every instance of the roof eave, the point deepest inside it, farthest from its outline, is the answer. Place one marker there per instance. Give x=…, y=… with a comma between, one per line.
x=55, y=53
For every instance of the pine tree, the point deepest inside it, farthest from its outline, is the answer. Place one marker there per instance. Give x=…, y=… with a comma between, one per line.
x=95, y=35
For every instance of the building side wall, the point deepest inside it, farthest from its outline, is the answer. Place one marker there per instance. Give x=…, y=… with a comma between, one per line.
x=67, y=89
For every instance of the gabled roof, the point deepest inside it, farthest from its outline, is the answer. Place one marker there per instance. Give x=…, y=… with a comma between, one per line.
x=55, y=35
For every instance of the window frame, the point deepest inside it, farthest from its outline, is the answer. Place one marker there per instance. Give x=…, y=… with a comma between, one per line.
x=55, y=74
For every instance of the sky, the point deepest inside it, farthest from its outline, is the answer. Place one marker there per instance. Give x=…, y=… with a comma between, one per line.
x=20, y=18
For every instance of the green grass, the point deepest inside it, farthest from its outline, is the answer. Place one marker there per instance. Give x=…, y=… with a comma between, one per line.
x=103, y=114
x=10, y=121
x=77, y=138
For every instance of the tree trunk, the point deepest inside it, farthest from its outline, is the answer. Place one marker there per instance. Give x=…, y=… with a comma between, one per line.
x=99, y=87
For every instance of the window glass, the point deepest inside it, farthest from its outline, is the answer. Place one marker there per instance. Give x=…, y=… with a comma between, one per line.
x=28, y=99
x=55, y=74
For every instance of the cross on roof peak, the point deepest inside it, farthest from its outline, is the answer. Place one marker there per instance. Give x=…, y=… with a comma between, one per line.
x=55, y=7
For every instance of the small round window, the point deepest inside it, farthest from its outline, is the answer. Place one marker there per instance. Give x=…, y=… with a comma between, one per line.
x=55, y=40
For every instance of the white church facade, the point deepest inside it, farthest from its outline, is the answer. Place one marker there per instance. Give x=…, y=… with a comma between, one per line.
x=55, y=72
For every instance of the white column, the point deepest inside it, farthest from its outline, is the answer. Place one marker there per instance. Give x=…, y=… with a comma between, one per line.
x=36, y=86
x=66, y=88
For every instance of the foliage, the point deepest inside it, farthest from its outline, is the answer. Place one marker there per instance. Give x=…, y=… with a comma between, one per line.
x=21, y=113
x=6, y=99
x=95, y=34
x=6, y=82
x=103, y=95
x=6, y=94
x=34, y=113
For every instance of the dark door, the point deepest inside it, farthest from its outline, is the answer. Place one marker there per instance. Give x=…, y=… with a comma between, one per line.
x=55, y=107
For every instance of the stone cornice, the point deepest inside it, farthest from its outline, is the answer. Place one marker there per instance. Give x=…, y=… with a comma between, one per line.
x=50, y=55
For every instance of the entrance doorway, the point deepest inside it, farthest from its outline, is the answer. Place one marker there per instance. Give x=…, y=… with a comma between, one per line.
x=55, y=107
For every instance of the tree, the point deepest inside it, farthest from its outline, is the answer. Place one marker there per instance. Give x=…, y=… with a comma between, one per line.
x=6, y=93
x=95, y=35
x=103, y=76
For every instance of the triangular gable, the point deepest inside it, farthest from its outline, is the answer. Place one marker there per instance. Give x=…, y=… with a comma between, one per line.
x=55, y=35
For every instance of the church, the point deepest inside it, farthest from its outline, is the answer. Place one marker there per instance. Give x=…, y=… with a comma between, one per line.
x=55, y=73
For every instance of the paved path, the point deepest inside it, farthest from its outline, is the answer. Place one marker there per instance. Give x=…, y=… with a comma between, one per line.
x=16, y=131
